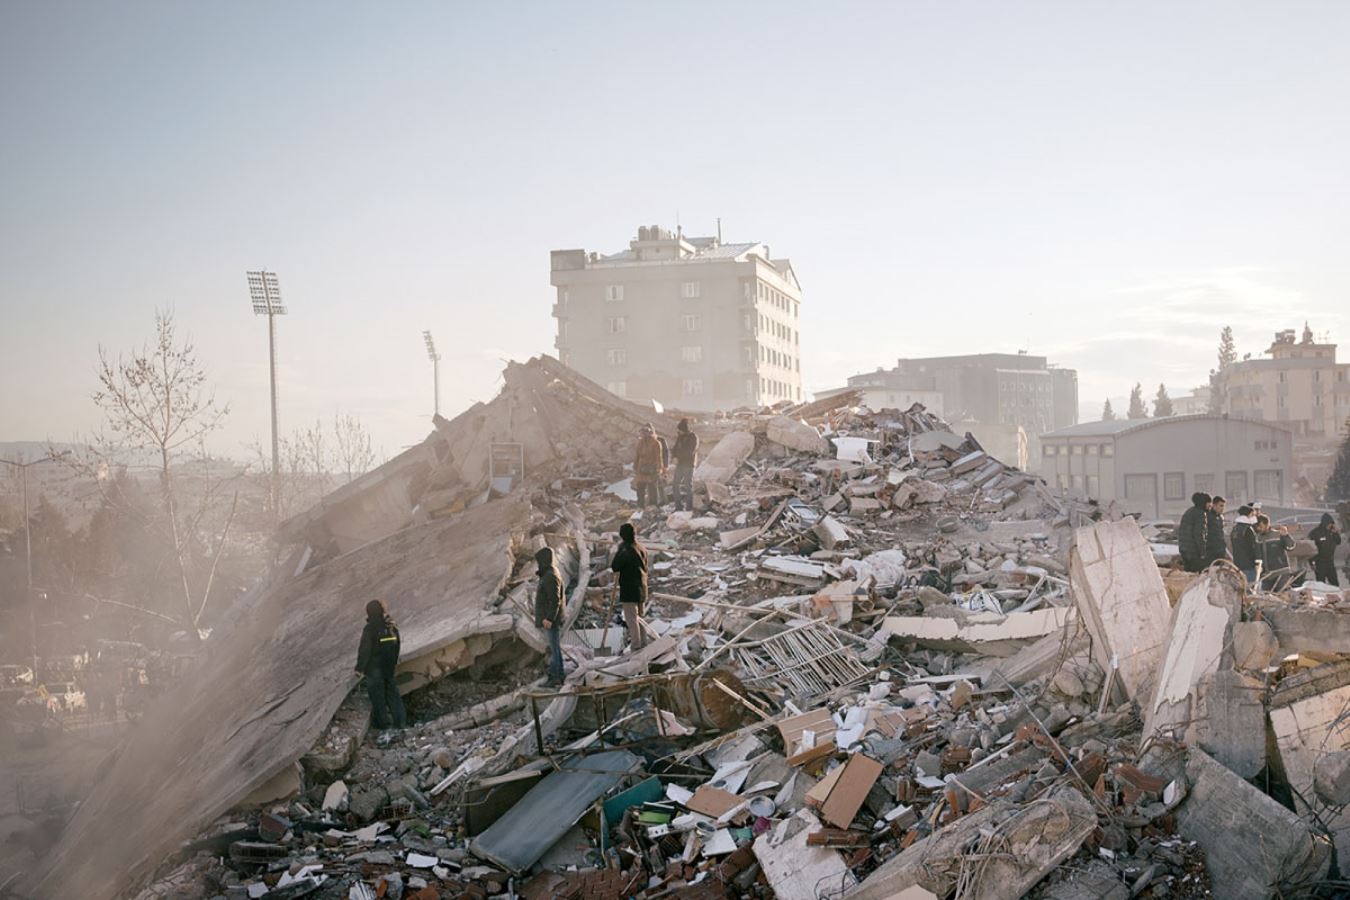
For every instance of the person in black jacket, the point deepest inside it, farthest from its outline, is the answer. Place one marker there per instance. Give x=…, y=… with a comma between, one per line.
x=686, y=458
x=1275, y=546
x=1244, y=543
x=548, y=612
x=1327, y=537
x=1192, y=534
x=1215, y=548
x=630, y=564
x=377, y=659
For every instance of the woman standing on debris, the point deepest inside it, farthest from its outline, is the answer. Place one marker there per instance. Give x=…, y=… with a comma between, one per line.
x=376, y=660
x=548, y=612
x=630, y=563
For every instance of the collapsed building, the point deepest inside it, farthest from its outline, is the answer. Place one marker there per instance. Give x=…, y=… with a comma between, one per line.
x=880, y=664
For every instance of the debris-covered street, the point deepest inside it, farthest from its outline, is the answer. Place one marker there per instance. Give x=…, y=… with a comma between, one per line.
x=877, y=663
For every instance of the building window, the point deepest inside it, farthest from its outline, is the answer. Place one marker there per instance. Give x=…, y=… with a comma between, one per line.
x=1094, y=449
x=618, y=388
x=618, y=324
x=749, y=355
x=1267, y=484
x=1108, y=449
x=1235, y=487
x=1204, y=483
x=1142, y=488
x=693, y=387
x=616, y=357
x=690, y=289
x=1049, y=450
x=692, y=354
x=1077, y=450
x=693, y=322
x=1174, y=486
x=613, y=292
x=1093, y=486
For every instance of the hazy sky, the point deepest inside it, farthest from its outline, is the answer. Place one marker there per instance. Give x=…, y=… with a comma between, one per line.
x=1105, y=183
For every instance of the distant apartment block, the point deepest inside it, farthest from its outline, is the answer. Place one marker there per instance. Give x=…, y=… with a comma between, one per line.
x=1011, y=389
x=1300, y=386
x=690, y=322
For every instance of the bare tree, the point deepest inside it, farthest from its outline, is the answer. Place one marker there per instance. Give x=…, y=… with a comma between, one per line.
x=157, y=410
x=355, y=455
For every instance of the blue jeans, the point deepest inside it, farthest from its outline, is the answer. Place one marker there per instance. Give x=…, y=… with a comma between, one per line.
x=555, y=659
x=386, y=706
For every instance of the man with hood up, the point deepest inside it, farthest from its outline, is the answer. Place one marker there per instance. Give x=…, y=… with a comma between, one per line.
x=548, y=612
x=1244, y=543
x=1192, y=534
x=630, y=565
x=1327, y=537
x=376, y=659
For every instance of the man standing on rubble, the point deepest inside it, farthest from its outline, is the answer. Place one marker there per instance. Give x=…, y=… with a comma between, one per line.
x=1275, y=545
x=686, y=458
x=1327, y=537
x=647, y=467
x=1244, y=543
x=377, y=659
x=630, y=565
x=548, y=612
x=1193, y=533
x=1215, y=548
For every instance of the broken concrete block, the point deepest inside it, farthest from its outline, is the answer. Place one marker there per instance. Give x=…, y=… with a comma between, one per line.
x=1307, y=629
x=797, y=435
x=1230, y=722
x=830, y=533
x=1254, y=645
x=1254, y=847
x=1331, y=778
x=987, y=633
x=1305, y=718
x=1200, y=633
x=725, y=458
x=1123, y=603
x=1031, y=839
x=335, y=797
x=792, y=867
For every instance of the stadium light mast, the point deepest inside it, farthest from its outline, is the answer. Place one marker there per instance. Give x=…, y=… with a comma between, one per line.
x=266, y=297
x=435, y=370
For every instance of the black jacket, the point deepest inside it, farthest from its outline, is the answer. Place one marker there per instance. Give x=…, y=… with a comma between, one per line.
x=686, y=450
x=548, y=597
x=630, y=561
x=1214, y=545
x=1192, y=538
x=1327, y=541
x=379, y=648
x=1275, y=549
x=1244, y=546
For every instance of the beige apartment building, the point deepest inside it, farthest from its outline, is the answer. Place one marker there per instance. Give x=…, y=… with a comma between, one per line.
x=690, y=322
x=1299, y=385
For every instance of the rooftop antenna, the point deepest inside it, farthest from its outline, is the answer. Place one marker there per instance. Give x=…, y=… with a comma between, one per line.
x=679, y=231
x=719, y=231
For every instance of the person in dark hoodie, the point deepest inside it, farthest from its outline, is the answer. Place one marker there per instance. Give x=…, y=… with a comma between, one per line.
x=1244, y=543
x=377, y=659
x=686, y=458
x=1215, y=548
x=548, y=612
x=630, y=564
x=1192, y=534
x=1327, y=537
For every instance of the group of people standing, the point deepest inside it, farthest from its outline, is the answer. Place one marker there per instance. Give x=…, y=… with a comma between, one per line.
x=1200, y=539
x=652, y=461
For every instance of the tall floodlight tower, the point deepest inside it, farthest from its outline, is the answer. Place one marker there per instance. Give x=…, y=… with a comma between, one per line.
x=435, y=370
x=266, y=297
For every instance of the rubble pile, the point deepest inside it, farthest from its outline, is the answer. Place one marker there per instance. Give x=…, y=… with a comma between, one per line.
x=878, y=664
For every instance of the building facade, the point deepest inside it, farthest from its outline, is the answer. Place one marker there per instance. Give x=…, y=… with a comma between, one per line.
x=990, y=394
x=1152, y=466
x=692, y=323
x=1299, y=384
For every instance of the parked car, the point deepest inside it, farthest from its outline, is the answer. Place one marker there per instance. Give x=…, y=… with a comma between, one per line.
x=14, y=675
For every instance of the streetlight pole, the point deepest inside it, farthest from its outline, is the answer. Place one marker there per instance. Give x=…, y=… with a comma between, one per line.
x=28, y=548
x=265, y=294
x=435, y=369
